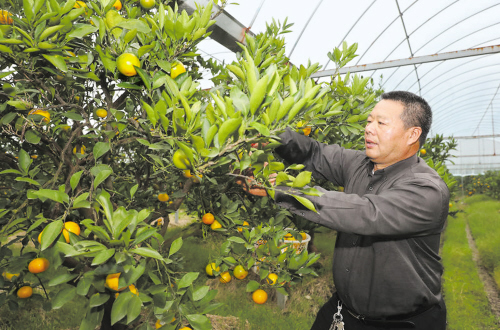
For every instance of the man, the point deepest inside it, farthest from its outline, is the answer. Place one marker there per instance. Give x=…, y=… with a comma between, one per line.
x=386, y=267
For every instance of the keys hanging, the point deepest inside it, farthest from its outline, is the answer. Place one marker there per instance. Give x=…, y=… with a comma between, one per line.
x=337, y=323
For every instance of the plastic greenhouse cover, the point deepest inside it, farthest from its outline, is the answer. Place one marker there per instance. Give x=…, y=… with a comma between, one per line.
x=463, y=93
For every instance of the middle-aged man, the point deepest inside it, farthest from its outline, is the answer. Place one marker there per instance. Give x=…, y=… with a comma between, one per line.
x=386, y=267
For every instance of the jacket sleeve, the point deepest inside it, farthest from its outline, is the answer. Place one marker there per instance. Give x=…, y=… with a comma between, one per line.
x=412, y=207
x=329, y=162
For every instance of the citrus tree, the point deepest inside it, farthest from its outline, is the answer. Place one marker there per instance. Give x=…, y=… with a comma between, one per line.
x=106, y=132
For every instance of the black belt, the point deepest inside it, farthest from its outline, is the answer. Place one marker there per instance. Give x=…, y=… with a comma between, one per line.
x=397, y=321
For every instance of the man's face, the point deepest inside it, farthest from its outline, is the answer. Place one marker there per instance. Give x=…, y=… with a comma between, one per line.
x=386, y=139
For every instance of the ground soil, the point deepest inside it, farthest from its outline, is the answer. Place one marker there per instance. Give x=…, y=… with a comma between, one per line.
x=490, y=286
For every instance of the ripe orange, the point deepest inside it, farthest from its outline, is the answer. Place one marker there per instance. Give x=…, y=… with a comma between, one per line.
x=43, y=113
x=70, y=226
x=133, y=289
x=208, y=218
x=307, y=130
x=8, y=276
x=225, y=277
x=163, y=197
x=423, y=151
x=112, y=282
x=80, y=4
x=147, y=4
x=5, y=17
x=289, y=237
x=180, y=160
x=177, y=69
x=245, y=224
x=450, y=205
x=272, y=278
x=210, y=269
x=126, y=62
x=186, y=328
x=215, y=225
x=259, y=296
x=187, y=174
x=159, y=324
x=25, y=292
x=304, y=235
x=38, y=265
x=101, y=113
x=118, y=5
x=240, y=272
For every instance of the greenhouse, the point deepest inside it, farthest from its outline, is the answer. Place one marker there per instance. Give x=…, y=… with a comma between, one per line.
x=265, y=164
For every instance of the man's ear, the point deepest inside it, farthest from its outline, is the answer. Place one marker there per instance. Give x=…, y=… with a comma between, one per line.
x=415, y=133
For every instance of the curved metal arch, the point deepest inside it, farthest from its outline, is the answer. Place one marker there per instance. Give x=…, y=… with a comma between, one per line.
x=305, y=27
x=462, y=95
x=485, y=42
x=459, y=107
x=470, y=16
x=458, y=75
x=457, y=123
x=481, y=29
x=458, y=120
x=439, y=116
x=386, y=28
x=486, y=110
x=452, y=26
x=442, y=96
x=427, y=21
x=456, y=67
x=457, y=117
x=352, y=27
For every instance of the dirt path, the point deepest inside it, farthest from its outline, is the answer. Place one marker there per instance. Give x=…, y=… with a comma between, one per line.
x=488, y=282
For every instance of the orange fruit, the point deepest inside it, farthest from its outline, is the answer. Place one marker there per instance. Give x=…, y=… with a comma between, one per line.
x=5, y=17
x=272, y=278
x=240, y=272
x=289, y=237
x=259, y=296
x=210, y=269
x=423, y=151
x=307, y=130
x=185, y=328
x=133, y=289
x=101, y=113
x=187, y=174
x=163, y=197
x=225, y=277
x=245, y=224
x=34, y=156
x=450, y=205
x=112, y=282
x=118, y=5
x=80, y=4
x=147, y=4
x=25, y=292
x=208, y=218
x=304, y=235
x=177, y=69
x=8, y=276
x=159, y=324
x=70, y=226
x=126, y=62
x=180, y=160
x=38, y=265
x=215, y=225
x=43, y=113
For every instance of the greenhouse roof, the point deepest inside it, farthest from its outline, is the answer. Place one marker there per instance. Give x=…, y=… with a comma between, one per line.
x=422, y=46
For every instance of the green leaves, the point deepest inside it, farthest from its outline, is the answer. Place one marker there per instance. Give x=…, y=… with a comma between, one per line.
x=227, y=128
x=57, y=61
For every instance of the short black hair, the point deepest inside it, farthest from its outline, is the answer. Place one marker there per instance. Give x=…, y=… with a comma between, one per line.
x=416, y=112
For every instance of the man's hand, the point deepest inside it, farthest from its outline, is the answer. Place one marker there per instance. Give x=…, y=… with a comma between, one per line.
x=247, y=183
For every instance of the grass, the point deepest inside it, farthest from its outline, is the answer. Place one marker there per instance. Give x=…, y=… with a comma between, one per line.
x=463, y=291
x=484, y=221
